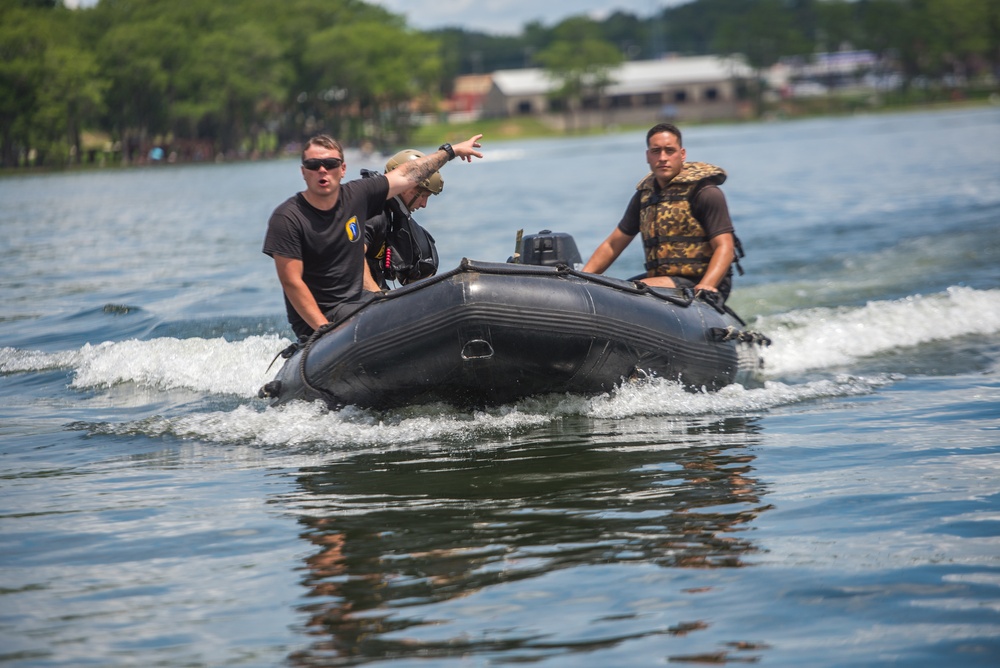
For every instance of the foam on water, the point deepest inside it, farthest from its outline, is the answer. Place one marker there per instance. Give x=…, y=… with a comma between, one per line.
x=808, y=339
x=311, y=424
x=823, y=338
x=305, y=424
x=214, y=366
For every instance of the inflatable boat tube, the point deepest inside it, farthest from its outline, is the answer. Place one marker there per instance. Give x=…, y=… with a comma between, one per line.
x=493, y=333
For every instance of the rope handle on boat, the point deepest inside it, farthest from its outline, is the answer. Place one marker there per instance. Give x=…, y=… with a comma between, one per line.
x=635, y=288
x=730, y=333
x=286, y=353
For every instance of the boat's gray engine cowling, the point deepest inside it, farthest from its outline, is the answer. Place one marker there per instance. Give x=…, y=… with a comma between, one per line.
x=548, y=248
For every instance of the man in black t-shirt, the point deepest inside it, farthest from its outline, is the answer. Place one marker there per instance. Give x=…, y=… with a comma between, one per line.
x=316, y=237
x=683, y=217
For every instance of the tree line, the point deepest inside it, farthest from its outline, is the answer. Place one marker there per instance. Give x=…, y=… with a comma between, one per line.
x=247, y=76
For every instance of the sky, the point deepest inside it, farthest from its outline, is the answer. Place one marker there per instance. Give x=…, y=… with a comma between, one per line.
x=507, y=17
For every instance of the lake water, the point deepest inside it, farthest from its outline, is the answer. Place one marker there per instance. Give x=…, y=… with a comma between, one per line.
x=153, y=511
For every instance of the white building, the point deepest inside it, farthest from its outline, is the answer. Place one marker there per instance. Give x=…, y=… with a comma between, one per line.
x=696, y=88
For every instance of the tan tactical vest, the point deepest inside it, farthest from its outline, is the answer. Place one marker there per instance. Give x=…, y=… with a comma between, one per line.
x=675, y=242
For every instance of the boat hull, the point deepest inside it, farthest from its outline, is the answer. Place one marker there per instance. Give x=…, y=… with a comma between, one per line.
x=492, y=333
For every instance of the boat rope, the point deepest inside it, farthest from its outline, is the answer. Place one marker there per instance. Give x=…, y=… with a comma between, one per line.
x=286, y=353
x=733, y=313
x=714, y=299
x=731, y=333
x=635, y=288
x=559, y=270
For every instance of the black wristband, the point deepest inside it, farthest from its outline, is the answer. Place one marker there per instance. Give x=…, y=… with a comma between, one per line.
x=447, y=149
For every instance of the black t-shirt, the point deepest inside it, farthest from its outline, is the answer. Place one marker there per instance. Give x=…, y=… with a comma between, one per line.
x=329, y=243
x=708, y=206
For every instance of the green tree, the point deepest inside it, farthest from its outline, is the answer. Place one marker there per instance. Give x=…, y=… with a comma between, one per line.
x=762, y=33
x=140, y=61
x=829, y=25
x=71, y=97
x=232, y=73
x=22, y=54
x=965, y=39
x=628, y=33
x=232, y=90
x=892, y=30
x=387, y=67
x=580, y=61
x=465, y=52
x=48, y=85
x=691, y=28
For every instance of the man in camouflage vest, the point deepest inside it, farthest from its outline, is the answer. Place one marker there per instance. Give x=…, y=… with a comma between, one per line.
x=683, y=217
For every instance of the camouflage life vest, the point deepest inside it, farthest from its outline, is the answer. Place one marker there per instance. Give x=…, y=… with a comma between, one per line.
x=675, y=242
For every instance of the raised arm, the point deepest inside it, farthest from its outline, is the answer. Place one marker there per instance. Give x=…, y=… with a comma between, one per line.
x=414, y=172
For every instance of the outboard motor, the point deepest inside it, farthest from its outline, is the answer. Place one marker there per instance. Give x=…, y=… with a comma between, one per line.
x=547, y=248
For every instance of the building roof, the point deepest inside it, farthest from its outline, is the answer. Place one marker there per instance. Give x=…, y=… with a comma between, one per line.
x=472, y=84
x=637, y=76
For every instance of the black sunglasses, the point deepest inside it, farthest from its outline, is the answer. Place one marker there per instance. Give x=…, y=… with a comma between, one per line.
x=313, y=164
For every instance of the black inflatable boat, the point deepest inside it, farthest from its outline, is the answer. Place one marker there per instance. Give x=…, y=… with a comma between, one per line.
x=488, y=333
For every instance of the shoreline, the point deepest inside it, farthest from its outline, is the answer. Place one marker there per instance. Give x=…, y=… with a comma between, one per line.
x=507, y=129
x=515, y=129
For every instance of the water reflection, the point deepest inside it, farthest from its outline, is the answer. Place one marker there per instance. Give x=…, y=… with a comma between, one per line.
x=400, y=536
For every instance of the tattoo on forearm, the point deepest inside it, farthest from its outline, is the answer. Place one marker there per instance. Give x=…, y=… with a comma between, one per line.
x=416, y=171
